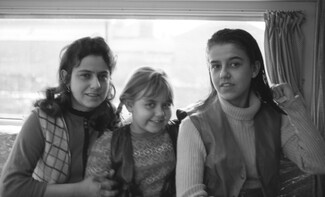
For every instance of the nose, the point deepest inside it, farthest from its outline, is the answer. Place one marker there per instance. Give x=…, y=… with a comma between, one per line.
x=224, y=73
x=95, y=83
x=160, y=111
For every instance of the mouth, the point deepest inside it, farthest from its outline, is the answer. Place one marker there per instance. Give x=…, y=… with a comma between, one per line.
x=158, y=121
x=94, y=95
x=226, y=85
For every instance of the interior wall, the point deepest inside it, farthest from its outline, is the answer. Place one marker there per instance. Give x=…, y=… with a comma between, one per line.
x=207, y=9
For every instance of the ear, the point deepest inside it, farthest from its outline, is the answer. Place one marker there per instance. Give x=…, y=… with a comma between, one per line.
x=256, y=68
x=129, y=106
x=64, y=76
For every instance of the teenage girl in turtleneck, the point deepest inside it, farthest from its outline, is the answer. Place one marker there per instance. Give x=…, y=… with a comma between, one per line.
x=231, y=144
x=50, y=152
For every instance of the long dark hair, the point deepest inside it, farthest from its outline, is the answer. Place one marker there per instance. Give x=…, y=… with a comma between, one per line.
x=58, y=99
x=247, y=43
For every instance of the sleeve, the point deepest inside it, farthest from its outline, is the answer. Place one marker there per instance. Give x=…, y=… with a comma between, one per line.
x=191, y=156
x=16, y=179
x=99, y=160
x=301, y=142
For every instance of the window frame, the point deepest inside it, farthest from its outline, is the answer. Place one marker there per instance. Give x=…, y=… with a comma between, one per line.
x=239, y=10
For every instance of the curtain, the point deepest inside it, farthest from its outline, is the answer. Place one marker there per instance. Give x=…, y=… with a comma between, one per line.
x=318, y=89
x=317, y=107
x=284, y=44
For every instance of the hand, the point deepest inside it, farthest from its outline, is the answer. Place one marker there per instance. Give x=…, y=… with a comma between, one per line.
x=97, y=186
x=89, y=187
x=107, y=184
x=282, y=92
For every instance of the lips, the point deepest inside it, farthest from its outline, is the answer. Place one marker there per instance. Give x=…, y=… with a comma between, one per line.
x=93, y=94
x=158, y=121
x=226, y=84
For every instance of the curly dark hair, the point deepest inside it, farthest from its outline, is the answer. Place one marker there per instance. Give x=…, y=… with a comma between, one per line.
x=58, y=99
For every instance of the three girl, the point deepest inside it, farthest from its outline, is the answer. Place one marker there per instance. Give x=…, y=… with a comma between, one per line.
x=142, y=153
x=50, y=152
x=230, y=144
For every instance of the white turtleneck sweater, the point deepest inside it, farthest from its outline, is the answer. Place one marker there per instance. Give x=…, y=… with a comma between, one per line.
x=301, y=143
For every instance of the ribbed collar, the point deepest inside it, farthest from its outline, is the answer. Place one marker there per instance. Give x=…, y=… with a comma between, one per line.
x=80, y=113
x=145, y=135
x=239, y=113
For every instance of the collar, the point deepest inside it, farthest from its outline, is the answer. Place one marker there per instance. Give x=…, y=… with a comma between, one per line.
x=239, y=113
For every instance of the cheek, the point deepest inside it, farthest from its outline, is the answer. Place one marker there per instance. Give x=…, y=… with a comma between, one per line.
x=75, y=87
x=245, y=78
x=244, y=82
x=214, y=77
x=105, y=86
x=168, y=113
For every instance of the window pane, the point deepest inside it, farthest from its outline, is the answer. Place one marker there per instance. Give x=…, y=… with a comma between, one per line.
x=30, y=50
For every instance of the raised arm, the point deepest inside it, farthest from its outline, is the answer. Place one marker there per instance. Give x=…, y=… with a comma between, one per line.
x=302, y=143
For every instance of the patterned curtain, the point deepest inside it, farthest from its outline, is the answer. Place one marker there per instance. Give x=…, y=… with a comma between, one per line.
x=284, y=42
x=318, y=89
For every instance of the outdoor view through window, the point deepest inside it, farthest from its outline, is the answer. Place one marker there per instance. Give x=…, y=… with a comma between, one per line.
x=30, y=52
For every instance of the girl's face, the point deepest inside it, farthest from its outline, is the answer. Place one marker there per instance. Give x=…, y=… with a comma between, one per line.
x=150, y=114
x=89, y=83
x=231, y=73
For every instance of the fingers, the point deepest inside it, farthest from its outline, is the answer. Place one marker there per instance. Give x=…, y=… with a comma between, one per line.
x=107, y=188
x=108, y=193
x=108, y=184
x=104, y=175
x=277, y=91
x=111, y=174
x=282, y=92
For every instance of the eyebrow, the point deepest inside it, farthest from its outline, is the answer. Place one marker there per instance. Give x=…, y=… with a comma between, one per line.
x=89, y=71
x=231, y=58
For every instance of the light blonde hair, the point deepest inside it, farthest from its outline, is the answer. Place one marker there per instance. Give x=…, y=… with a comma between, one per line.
x=145, y=82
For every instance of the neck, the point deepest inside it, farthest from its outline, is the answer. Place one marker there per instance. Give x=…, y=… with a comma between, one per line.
x=85, y=114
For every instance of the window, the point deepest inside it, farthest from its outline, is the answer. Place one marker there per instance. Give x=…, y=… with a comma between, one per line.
x=30, y=51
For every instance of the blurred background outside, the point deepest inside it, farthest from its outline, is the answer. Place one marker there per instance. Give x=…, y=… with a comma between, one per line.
x=30, y=56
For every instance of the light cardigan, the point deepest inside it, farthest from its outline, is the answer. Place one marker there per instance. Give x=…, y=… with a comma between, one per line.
x=301, y=143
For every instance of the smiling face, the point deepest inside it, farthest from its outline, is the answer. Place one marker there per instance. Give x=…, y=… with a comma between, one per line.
x=89, y=83
x=150, y=114
x=231, y=72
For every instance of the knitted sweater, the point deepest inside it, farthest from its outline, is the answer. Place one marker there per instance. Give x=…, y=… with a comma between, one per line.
x=153, y=156
x=300, y=140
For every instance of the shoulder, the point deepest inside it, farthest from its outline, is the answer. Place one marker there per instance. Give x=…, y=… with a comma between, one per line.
x=186, y=124
x=31, y=132
x=31, y=122
x=105, y=138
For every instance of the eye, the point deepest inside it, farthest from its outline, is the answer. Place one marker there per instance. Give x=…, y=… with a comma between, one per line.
x=167, y=105
x=150, y=105
x=235, y=64
x=215, y=66
x=85, y=75
x=103, y=77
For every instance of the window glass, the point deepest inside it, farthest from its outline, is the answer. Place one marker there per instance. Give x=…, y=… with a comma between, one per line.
x=30, y=55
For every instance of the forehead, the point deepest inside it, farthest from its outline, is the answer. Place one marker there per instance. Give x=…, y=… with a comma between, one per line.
x=92, y=63
x=226, y=51
x=161, y=96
